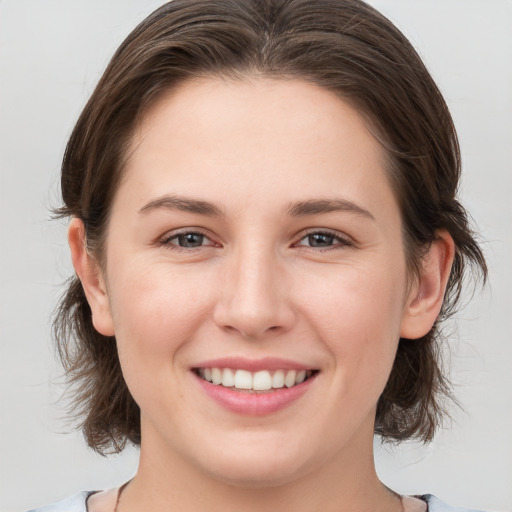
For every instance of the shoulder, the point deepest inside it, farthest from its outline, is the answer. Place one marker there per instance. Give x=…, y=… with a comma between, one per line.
x=436, y=505
x=75, y=503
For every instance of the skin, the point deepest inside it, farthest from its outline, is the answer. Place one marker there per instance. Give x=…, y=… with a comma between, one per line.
x=257, y=288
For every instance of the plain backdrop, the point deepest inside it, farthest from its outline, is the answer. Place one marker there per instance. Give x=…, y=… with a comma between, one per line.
x=52, y=52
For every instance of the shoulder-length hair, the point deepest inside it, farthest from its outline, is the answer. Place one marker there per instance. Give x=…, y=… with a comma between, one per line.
x=344, y=46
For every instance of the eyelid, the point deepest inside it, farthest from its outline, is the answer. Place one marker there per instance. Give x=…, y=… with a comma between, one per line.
x=342, y=239
x=165, y=240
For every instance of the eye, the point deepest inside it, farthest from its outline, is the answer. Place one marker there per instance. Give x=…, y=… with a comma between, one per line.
x=323, y=240
x=187, y=240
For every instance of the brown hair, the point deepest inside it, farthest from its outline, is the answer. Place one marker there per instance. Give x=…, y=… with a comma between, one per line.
x=342, y=45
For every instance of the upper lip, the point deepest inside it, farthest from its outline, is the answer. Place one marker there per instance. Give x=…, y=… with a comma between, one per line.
x=254, y=365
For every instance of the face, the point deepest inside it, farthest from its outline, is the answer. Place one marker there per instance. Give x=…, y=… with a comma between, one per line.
x=255, y=278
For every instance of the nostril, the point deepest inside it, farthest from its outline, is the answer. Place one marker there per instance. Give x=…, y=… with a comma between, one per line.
x=251, y=332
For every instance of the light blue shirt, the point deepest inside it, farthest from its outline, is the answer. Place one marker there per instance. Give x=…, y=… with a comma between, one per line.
x=77, y=503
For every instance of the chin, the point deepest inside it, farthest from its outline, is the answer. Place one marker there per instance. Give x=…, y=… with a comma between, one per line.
x=258, y=468
x=242, y=476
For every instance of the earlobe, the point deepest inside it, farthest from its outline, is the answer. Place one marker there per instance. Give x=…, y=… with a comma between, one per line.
x=426, y=296
x=91, y=277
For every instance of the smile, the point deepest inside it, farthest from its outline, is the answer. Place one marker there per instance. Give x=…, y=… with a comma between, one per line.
x=260, y=381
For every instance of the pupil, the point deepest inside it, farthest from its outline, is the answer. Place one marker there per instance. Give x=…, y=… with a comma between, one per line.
x=191, y=240
x=320, y=240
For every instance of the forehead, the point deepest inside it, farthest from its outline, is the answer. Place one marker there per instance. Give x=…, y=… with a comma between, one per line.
x=254, y=137
x=257, y=109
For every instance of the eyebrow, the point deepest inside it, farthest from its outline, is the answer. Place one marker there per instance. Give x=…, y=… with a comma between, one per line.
x=184, y=204
x=319, y=206
x=296, y=209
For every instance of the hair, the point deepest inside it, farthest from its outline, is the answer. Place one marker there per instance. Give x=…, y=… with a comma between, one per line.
x=344, y=46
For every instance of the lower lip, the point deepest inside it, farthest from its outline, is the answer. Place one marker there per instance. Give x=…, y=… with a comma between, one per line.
x=255, y=404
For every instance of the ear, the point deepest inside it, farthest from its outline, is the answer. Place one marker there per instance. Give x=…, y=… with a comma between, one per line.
x=91, y=277
x=426, y=296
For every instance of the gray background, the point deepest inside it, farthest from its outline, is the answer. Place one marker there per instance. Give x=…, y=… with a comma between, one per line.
x=52, y=52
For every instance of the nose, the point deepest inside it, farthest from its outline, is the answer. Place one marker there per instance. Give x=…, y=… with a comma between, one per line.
x=254, y=299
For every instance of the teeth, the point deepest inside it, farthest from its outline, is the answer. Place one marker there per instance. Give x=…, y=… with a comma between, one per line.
x=301, y=376
x=258, y=381
x=278, y=379
x=243, y=379
x=216, y=376
x=289, y=380
x=261, y=381
x=228, y=378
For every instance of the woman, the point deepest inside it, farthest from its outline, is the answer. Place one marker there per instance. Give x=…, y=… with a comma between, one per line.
x=265, y=234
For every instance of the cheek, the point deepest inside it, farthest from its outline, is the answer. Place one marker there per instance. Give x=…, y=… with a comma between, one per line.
x=365, y=299
x=155, y=313
x=155, y=316
x=357, y=313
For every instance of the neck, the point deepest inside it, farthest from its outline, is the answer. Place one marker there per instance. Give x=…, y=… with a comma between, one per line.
x=347, y=481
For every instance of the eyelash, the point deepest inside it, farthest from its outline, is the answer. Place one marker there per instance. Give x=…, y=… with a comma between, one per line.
x=167, y=240
x=341, y=242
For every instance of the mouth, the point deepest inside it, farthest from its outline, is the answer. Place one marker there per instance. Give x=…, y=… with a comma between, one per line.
x=262, y=381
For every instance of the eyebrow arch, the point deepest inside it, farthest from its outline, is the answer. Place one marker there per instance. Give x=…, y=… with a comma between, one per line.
x=184, y=204
x=319, y=206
